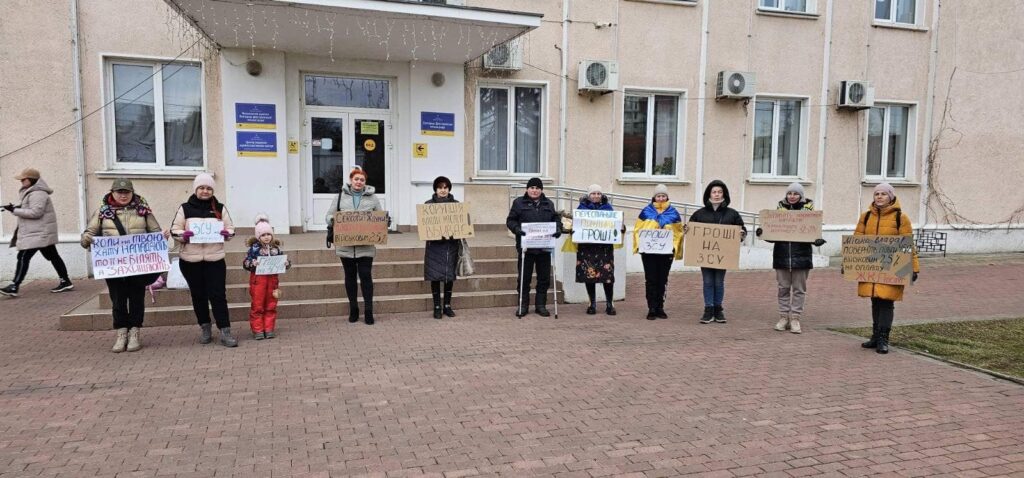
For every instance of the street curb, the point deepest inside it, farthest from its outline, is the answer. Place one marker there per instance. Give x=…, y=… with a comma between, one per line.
x=992, y=373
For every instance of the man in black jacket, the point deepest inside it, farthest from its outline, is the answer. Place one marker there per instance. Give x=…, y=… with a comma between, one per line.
x=533, y=207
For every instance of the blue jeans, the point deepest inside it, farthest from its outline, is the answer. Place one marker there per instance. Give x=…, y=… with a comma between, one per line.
x=714, y=286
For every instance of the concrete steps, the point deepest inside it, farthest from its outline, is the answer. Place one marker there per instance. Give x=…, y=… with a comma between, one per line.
x=314, y=287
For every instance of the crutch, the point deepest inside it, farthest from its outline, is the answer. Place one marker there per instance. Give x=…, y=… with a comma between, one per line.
x=522, y=280
x=554, y=280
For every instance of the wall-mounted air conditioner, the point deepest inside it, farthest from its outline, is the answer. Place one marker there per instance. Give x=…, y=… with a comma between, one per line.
x=855, y=95
x=506, y=56
x=598, y=76
x=736, y=85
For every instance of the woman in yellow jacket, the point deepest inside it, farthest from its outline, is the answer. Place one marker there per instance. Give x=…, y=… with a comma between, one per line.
x=884, y=218
x=659, y=214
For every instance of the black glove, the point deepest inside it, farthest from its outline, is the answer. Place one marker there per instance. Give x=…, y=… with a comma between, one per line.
x=817, y=242
x=913, y=278
x=557, y=234
x=757, y=232
x=519, y=231
x=389, y=221
x=842, y=270
x=9, y=207
x=330, y=243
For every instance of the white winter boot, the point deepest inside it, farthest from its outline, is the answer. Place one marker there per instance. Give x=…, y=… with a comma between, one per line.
x=133, y=339
x=783, y=323
x=122, y=340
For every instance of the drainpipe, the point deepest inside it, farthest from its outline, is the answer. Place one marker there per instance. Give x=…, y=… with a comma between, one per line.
x=701, y=105
x=76, y=77
x=563, y=129
x=929, y=112
x=823, y=121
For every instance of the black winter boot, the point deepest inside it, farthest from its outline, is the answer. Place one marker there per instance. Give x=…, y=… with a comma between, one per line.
x=369, y=314
x=226, y=339
x=708, y=316
x=524, y=307
x=609, y=309
x=883, y=341
x=437, y=305
x=447, y=310
x=592, y=309
x=353, y=311
x=873, y=341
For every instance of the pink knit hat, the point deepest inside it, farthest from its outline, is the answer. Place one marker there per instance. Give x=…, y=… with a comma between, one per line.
x=887, y=189
x=203, y=179
x=263, y=226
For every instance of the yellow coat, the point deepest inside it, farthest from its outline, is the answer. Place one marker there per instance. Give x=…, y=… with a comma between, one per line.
x=882, y=222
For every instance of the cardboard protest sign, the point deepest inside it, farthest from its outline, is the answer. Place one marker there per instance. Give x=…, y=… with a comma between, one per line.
x=270, y=265
x=132, y=255
x=443, y=220
x=655, y=241
x=792, y=226
x=596, y=227
x=878, y=259
x=715, y=246
x=360, y=228
x=539, y=235
x=205, y=231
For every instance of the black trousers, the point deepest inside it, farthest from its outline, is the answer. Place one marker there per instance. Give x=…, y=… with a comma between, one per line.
x=49, y=253
x=592, y=291
x=361, y=267
x=206, y=285
x=882, y=311
x=542, y=263
x=656, y=269
x=435, y=290
x=128, y=296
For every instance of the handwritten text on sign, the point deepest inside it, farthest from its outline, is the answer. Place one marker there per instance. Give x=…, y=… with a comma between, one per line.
x=655, y=241
x=596, y=227
x=360, y=228
x=443, y=220
x=269, y=265
x=792, y=226
x=878, y=259
x=714, y=246
x=539, y=235
x=123, y=256
x=205, y=231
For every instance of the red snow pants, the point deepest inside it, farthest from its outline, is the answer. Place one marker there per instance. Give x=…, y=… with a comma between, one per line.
x=263, y=310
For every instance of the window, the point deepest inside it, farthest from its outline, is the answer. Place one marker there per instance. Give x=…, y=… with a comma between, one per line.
x=896, y=11
x=801, y=6
x=889, y=129
x=347, y=92
x=157, y=114
x=510, y=129
x=778, y=137
x=650, y=134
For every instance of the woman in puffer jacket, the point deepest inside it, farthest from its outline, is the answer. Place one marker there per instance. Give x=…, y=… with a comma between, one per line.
x=792, y=262
x=884, y=218
x=123, y=212
x=441, y=257
x=36, y=231
x=356, y=260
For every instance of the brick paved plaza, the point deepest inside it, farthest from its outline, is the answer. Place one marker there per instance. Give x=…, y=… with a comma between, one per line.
x=486, y=394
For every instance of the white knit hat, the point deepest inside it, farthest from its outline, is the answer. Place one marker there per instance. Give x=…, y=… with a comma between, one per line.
x=661, y=189
x=263, y=225
x=795, y=187
x=593, y=188
x=203, y=179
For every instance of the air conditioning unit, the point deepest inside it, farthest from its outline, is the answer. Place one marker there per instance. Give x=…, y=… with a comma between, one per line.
x=856, y=95
x=598, y=76
x=506, y=56
x=736, y=85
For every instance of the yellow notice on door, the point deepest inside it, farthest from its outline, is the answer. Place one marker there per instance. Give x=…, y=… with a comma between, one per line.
x=419, y=150
x=369, y=127
x=369, y=145
x=293, y=146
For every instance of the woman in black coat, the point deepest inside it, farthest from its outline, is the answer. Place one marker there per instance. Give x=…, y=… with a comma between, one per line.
x=441, y=258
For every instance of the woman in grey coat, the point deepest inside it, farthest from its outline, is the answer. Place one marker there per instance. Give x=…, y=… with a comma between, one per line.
x=441, y=258
x=37, y=231
x=356, y=260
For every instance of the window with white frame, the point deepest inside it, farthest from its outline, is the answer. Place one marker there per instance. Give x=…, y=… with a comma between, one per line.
x=800, y=6
x=651, y=126
x=510, y=129
x=778, y=131
x=156, y=114
x=889, y=130
x=896, y=11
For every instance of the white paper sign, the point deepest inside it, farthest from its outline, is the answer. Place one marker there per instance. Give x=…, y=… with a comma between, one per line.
x=205, y=231
x=539, y=235
x=132, y=255
x=596, y=227
x=270, y=265
x=655, y=241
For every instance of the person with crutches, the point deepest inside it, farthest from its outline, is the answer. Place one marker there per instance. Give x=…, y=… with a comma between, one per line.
x=532, y=206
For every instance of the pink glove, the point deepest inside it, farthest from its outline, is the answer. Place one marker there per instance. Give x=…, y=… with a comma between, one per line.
x=187, y=236
x=227, y=235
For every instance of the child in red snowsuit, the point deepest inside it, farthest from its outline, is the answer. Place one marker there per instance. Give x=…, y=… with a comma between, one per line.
x=262, y=288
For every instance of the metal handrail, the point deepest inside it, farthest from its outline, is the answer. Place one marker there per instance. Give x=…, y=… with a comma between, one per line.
x=566, y=198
